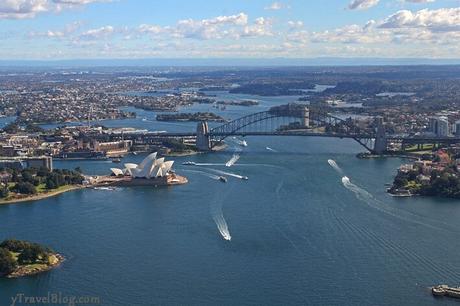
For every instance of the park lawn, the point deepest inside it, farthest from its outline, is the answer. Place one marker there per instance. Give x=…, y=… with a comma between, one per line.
x=41, y=188
x=413, y=185
x=425, y=147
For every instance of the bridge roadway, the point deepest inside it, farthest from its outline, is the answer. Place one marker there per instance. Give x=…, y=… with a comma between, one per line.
x=241, y=134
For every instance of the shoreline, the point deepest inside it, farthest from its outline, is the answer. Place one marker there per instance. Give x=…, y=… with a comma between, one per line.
x=41, y=196
x=27, y=270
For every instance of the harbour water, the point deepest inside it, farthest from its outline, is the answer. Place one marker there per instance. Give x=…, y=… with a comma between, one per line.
x=301, y=233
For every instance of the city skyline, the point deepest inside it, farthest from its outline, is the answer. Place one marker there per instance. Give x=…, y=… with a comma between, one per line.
x=107, y=29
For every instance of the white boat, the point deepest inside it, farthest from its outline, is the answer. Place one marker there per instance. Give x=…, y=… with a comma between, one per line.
x=245, y=178
x=243, y=143
x=189, y=163
x=104, y=188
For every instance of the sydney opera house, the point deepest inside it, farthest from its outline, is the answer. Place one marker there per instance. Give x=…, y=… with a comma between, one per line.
x=151, y=171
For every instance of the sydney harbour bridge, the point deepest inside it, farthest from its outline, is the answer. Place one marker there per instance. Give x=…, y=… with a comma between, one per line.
x=290, y=120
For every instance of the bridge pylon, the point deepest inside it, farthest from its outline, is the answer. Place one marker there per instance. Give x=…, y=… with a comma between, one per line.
x=381, y=142
x=203, y=139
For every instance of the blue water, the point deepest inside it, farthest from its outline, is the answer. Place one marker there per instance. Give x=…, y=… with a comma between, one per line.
x=298, y=235
x=301, y=234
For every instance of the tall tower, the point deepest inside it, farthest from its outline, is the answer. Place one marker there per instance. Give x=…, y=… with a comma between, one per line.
x=203, y=141
x=380, y=145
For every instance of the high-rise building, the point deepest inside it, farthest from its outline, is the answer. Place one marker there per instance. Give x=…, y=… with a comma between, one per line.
x=442, y=127
x=457, y=127
x=433, y=125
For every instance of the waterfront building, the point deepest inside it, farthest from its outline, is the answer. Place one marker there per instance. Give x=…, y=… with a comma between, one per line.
x=149, y=168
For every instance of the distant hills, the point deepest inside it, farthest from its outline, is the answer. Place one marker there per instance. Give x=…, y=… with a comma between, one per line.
x=228, y=62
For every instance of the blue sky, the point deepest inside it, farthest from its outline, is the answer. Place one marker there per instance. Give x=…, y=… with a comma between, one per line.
x=79, y=29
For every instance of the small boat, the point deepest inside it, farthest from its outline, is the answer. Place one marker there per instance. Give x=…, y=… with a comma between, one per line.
x=104, y=188
x=144, y=119
x=189, y=163
x=245, y=178
x=223, y=179
x=116, y=160
x=134, y=153
x=243, y=143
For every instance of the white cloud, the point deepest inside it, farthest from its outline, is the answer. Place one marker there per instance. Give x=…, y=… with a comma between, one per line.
x=98, y=33
x=444, y=19
x=275, y=6
x=419, y=1
x=295, y=24
x=21, y=9
x=362, y=4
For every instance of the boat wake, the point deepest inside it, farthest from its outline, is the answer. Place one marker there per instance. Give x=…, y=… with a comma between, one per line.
x=222, y=225
x=227, y=173
x=371, y=201
x=218, y=217
x=270, y=149
x=210, y=175
x=334, y=165
x=232, y=160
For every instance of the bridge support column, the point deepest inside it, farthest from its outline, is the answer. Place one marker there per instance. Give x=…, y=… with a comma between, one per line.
x=306, y=117
x=203, y=141
x=380, y=145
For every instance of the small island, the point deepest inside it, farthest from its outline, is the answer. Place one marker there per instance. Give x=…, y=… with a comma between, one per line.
x=196, y=117
x=20, y=258
x=36, y=184
x=436, y=174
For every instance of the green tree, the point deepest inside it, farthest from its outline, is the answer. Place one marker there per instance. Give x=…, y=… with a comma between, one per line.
x=32, y=254
x=7, y=262
x=25, y=188
x=4, y=192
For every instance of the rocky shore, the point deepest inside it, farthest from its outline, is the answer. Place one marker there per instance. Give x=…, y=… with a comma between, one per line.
x=27, y=270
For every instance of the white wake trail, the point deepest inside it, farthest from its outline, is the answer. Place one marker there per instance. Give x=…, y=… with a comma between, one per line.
x=371, y=201
x=210, y=175
x=218, y=217
x=222, y=226
x=270, y=149
x=334, y=165
x=232, y=160
x=227, y=173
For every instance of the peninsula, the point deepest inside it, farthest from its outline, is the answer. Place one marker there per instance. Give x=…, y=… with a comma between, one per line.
x=20, y=258
x=436, y=174
x=35, y=184
x=206, y=116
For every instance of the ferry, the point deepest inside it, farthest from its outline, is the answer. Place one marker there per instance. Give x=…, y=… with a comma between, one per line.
x=189, y=163
x=445, y=290
x=223, y=179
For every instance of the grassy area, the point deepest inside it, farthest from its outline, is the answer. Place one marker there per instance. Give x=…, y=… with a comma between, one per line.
x=42, y=193
x=411, y=185
x=41, y=188
x=424, y=147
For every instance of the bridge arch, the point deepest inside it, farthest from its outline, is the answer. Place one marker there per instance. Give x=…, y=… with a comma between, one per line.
x=334, y=126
